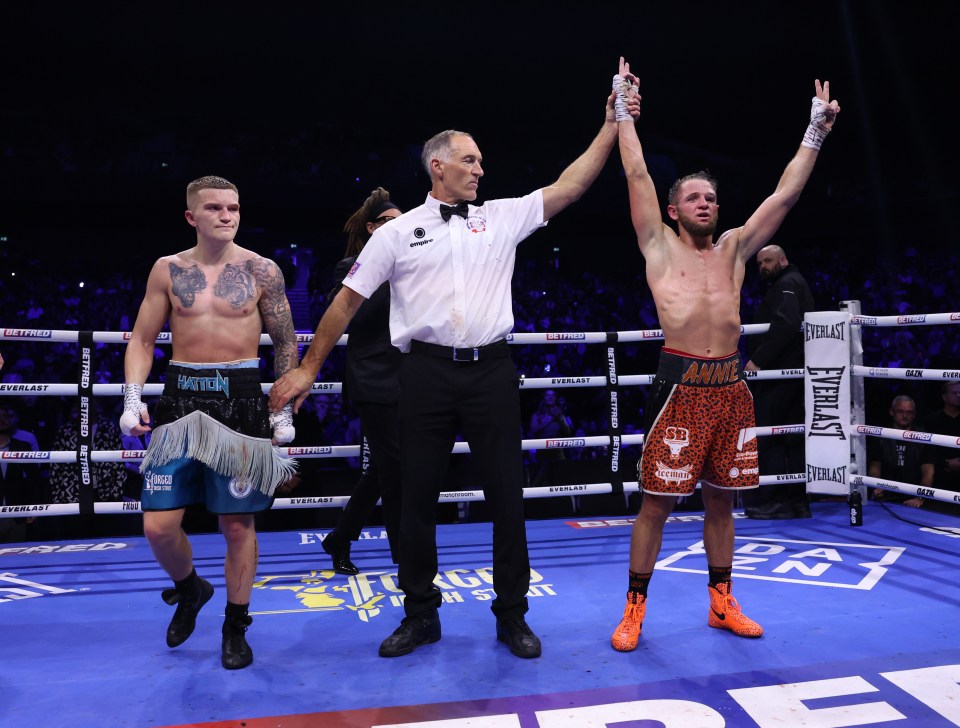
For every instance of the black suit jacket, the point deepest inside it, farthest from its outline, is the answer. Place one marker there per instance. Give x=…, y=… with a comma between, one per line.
x=22, y=485
x=787, y=299
x=373, y=363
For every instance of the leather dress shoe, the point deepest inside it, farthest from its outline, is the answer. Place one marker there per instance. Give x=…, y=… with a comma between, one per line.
x=188, y=607
x=517, y=634
x=772, y=511
x=341, y=559
x=421, y=629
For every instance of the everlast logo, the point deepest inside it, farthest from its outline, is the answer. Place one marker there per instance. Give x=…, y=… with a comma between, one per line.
x=824, y=331
x=825, y=420
x=322, y=386
x=834, y=475
x=570, y=380
x=23, y=387
x=708, y=372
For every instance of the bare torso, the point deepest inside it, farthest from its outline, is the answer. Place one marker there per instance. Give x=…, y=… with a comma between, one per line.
x=214, y=308
x=697, y=293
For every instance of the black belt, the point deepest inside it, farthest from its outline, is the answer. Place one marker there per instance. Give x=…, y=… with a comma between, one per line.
x=496, y=350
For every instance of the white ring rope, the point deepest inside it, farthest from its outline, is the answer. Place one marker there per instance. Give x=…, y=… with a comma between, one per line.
x=110, y=337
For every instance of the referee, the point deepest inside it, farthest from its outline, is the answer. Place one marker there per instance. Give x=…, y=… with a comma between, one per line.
x=450, y=266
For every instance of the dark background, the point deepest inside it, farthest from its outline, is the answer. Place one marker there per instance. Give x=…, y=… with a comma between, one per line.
x=110, y=109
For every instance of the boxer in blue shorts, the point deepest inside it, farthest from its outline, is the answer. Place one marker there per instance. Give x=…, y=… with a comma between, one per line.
x=219, y=403
x=213, y=437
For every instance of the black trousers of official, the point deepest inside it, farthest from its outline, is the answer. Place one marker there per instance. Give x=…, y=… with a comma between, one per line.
x=779, y=403
x=438, y=399
x=380, y=480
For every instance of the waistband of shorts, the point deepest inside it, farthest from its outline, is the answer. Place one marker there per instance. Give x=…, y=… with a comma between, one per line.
x=496, y=350
x=213, y=381
x=695, y=371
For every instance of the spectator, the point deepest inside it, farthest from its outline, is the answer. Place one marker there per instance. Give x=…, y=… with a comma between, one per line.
x=898, y=460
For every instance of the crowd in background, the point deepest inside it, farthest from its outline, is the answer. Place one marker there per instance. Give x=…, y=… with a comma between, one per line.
x=548, y=297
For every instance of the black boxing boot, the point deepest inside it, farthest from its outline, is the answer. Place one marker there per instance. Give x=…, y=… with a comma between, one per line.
x=235, y=652
x=189, y=595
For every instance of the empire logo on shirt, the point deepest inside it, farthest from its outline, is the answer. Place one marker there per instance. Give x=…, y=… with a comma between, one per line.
x=353, y=269
x=477, y=223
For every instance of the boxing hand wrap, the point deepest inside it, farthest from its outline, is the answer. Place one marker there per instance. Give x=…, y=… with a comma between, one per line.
x=282, y=424
x=132, y=408
x=622, y=86
x=817, y=130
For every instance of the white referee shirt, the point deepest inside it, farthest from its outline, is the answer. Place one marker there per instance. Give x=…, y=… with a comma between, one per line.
x=450, y=282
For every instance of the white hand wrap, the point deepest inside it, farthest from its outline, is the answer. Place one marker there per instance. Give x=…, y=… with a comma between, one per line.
x=817, y=130
x=132, y=408
x=282, y=424
x=622, y=86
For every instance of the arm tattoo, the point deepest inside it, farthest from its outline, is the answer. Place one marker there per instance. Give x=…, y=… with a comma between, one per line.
x=187, y=282
x=275, y=311
x=235, y=284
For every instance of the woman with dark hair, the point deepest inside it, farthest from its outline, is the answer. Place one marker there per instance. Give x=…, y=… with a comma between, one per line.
x=371, y=383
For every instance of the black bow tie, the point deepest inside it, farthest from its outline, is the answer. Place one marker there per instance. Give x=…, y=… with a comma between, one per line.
x=459, y=209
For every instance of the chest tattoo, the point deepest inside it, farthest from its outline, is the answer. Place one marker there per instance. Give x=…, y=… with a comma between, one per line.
x=187, y=282
x=235, y=284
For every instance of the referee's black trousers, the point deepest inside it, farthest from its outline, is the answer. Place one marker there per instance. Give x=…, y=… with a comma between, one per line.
x=439, y=398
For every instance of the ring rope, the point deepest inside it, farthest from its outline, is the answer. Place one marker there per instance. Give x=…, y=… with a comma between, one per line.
x=8, y=334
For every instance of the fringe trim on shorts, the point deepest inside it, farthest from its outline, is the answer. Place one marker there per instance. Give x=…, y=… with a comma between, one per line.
x=200, y=437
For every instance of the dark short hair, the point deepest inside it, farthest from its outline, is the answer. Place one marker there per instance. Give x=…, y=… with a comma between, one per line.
x=675, y=187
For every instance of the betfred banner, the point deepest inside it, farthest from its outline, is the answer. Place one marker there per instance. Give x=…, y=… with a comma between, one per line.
x=827, y=396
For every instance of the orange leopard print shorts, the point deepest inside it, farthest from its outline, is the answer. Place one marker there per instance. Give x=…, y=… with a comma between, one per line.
x=699, y=426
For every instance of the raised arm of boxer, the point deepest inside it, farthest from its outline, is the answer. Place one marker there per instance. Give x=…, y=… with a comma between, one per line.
x=644, y=206
x=766, y=220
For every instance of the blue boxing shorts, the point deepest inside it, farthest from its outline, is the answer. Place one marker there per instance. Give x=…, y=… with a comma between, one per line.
x=211, y=442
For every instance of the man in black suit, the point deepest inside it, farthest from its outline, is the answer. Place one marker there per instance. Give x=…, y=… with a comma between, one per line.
x=20, y=484
x=779, y=402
